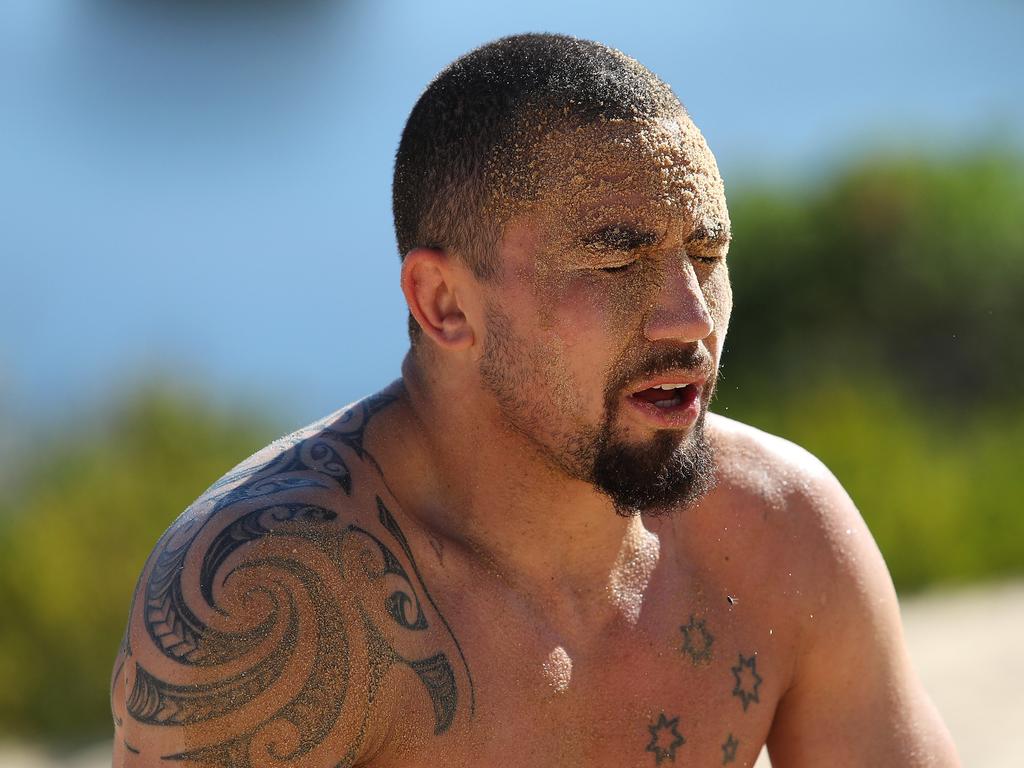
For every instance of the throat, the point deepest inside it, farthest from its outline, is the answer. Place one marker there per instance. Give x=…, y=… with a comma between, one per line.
x=634, y=566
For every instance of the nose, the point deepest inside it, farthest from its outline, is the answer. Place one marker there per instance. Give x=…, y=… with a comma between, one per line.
x=678, y=310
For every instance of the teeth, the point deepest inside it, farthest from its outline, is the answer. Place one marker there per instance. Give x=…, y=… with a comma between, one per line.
x=668, y=386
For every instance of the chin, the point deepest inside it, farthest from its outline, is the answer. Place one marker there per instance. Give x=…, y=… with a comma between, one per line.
x=661, y=476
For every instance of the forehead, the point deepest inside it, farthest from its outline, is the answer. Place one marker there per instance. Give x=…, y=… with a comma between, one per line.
x=655, y=167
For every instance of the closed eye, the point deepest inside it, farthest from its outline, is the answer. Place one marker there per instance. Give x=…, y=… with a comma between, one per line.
x=708, y=246
x=705, y=259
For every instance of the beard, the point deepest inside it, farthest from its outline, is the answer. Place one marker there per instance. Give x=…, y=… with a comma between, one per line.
x=659, y=476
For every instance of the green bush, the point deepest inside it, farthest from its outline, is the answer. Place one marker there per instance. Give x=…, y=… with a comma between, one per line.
x=941, y=492
x=74, y=534
x=879, y=322
x=907, y=265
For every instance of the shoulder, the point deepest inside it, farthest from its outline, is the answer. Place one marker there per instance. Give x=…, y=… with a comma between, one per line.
x=268, y=612
x=778, y=475
x=804, y=517
x=765, y=463
x=317, y=448
x=852, y=697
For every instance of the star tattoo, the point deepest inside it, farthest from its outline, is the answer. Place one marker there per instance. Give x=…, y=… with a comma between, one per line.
x=665, y=739
x=729, y=750
x=747, y=680
x=697, y=641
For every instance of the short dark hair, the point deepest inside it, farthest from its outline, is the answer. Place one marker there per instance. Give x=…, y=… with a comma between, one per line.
x=477, y=121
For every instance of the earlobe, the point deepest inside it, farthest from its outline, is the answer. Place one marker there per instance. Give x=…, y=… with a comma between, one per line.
x=430, y=282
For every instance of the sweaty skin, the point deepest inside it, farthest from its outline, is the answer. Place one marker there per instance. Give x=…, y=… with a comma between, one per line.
x=430, y=577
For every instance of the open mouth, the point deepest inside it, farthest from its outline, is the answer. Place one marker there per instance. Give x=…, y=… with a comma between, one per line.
x=669, y=405
x=668, y=396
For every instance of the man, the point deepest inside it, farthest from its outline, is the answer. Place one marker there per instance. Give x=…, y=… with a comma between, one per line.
x=537, y=548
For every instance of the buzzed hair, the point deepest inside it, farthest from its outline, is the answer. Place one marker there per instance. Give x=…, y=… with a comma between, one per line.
x=475, y=125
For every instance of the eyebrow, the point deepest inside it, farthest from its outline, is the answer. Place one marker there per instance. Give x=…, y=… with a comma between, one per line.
x=621, y=237
x=717, y=236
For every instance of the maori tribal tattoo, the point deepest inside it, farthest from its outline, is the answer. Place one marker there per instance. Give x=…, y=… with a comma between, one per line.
x=315, y=448
x=729, y=750
x=747, y=680
x=697, y=641
x=665, y=739
x=258, y=586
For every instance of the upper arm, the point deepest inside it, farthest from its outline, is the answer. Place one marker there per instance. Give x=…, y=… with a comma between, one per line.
x=264, y=625
x=854, y=699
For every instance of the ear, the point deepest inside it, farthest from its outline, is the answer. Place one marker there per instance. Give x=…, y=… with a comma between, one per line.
x=431, y=282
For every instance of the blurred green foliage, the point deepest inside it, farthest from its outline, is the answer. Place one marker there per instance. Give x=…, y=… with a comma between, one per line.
x=74, y=535
x=877, y=322
x=941, y=492
x=911, y=266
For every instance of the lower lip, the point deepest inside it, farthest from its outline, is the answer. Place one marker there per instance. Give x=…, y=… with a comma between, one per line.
x=679, y=416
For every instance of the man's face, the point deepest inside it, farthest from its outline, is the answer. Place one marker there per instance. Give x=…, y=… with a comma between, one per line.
x=606, y=323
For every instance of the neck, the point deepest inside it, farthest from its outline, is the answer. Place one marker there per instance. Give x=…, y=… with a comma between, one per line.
x=453, y=463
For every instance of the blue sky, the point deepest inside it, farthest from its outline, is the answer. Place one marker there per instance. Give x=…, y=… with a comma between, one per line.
x=210, y=197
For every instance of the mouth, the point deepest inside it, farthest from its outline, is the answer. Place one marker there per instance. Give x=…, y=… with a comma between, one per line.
x=667, y=404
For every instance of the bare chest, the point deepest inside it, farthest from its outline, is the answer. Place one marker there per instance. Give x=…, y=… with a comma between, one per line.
x=690, y=683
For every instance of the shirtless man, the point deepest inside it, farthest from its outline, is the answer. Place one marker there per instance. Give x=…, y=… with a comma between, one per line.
x=538, y=547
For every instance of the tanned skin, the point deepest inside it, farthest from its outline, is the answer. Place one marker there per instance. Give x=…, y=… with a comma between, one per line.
x=427, y=577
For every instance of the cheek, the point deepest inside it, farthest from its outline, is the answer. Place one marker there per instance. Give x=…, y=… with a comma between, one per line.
x=601, y=314
x=718, y=295
x=590, y=321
